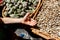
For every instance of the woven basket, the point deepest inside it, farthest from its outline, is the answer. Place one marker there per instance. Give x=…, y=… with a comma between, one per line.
x=37, y=31
x=44, y=34
x=33, y=11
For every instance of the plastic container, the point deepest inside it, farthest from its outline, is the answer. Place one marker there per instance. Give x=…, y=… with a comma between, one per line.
x=22, y=33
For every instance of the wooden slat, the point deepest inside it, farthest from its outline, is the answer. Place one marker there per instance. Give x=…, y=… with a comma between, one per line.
x=42, y=34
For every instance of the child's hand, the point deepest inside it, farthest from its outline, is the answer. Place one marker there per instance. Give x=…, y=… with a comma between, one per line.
x=28, y=21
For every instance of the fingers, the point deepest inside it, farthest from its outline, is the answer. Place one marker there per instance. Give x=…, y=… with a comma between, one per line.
x=1, y=2
x=26, y=16
x=31, y=22
x=32, y=28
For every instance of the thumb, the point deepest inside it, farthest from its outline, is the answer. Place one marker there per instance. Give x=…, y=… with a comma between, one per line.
x=26, y=16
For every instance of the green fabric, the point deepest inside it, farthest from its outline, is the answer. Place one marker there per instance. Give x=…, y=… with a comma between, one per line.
x=2, y=35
